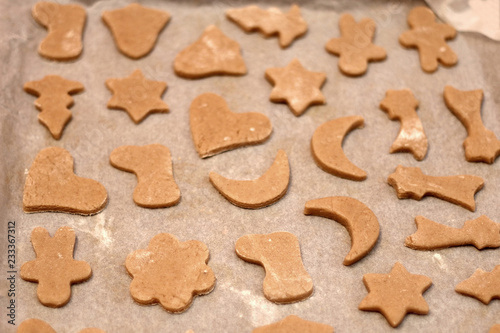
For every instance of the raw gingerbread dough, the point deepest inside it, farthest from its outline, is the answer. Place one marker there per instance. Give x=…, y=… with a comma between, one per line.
x=355, y=47
x=401, y=105
x=482, y=285
x=65, y=25
x=270, y=22
x=54, y=98
x=54, y=268
x=395, y=294
x=296, y=86
x=152, y=164
x=170, y=272
x=258, y=193
x=481, y=232
x=359, y=220
x=137, y=95
x=51, y=186
x=429, y=38
x=412, y=183
x=294, y=324
x=216, y=129
x=212, y=54
x=286, y=278
x=326, y=147
x=135, y=28
x=481, y=144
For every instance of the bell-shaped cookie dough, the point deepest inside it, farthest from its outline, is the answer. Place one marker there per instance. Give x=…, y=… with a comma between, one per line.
x=135, y=28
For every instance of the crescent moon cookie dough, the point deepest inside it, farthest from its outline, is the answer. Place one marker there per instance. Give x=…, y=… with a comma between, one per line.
x=286, y=280
x=355, y=47
x=481, y=144
x=481, y=232
x=395, y=294
x=65, y=25
x=212, y=54
x=258, y=193
x=51, y=186
x=135, y=28
x=137, y=95
x=400, y=105
x=412, y=183
x=429, y=38
x=215, y=128
x=296, y=86
x=355, y=216
x=152, y=164
x=294, y=324
x=170, y=272
x=53, y=100
x=326, y=147
x=270, y=22
x=482, y=285
x=54, y=268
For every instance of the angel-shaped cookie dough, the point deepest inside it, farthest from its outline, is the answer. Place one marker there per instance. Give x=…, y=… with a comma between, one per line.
x=429, y=38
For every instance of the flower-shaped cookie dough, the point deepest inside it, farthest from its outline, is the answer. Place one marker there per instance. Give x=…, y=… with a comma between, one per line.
x=170, y=272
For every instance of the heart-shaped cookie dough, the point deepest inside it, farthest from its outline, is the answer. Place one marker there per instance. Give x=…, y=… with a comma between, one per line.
x=51, y=186
x=216, y=129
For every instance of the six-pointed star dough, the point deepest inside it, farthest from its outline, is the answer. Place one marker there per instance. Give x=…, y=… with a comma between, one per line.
x=395, y=294
x=137, y=95
x=296, y=86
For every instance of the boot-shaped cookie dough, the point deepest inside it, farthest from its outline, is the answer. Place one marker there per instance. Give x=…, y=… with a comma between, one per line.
x=412, y=183
x=152, y=164
x=51, y=186
x=270, y=22
x=135, y=28
x=401, y=105
x=429, y=38
x=286, y=278
x=212, y=54
x=481, y=232
x=170, y=272
x=481, y=144
x=53, y=100
x=65, y=24
x=294, y=324
x=355, y=47
x=54, y=268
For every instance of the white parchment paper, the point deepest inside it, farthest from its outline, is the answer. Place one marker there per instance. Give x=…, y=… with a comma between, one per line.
x=237, y=303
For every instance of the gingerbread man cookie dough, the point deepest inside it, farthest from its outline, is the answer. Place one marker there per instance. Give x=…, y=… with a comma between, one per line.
x=429, y=38
x=355, y=47
x=54, y=268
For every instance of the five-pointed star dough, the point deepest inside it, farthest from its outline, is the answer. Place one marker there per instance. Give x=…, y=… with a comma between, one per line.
x=137, y=95
x=296, y=86
x=395, y=294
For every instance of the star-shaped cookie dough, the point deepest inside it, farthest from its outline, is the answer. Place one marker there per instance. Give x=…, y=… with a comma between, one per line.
x=137, y=95
x=395, y=294
x=296, y=86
